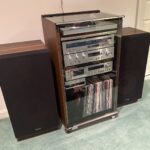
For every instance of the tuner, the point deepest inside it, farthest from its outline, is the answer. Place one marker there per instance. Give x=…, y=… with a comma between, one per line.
x=86, y=71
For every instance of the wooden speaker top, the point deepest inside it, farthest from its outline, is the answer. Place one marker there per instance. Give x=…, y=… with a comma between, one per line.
x=20, y=47
x=129, y=31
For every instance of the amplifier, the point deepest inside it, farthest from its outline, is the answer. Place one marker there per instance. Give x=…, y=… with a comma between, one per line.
x=86, y=71
x=88, y=56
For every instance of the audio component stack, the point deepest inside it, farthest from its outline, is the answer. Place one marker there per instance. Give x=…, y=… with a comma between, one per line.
x=86, y=63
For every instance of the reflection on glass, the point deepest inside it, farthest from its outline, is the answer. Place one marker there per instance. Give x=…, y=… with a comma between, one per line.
x=75, y=98
x=84, y=101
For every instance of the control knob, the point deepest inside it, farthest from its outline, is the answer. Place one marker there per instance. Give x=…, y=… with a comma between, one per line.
x=77, y=56
x=70, y=58
x=107, y=65
x=83, y=55
x=107, y=52
x=102, y=52
x=110, y=41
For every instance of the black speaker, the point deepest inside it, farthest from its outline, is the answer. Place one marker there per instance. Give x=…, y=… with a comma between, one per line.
x=26, y=80
x=134, y=45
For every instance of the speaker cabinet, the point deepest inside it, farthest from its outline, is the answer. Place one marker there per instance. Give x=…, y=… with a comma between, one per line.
x=134, y=45
x=26, y=80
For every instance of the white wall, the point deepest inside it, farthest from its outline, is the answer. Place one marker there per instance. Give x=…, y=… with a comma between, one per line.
x=20, y=20
x=120, y=7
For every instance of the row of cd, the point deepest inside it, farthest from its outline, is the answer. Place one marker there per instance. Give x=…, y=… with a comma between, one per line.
x=99, y=97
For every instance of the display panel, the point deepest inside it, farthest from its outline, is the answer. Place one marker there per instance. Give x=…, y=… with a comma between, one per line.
x=93, y=54
x=96, y=67
x=78, y=72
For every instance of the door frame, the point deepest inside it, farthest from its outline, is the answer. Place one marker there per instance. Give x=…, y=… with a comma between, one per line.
x=140, y=14
x=140, y=23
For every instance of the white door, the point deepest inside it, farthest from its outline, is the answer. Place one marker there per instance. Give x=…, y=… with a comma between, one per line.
x=143, y=22
x=3, y=110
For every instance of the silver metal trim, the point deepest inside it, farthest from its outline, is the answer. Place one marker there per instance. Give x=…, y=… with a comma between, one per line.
x=88, y=35
x=93, y=120
x=75, y=81
x=75, y=86
x=79, y=21
x=103, y=25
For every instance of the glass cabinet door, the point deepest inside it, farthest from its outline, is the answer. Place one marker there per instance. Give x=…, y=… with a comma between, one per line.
x=75, y=98
x=88, y=100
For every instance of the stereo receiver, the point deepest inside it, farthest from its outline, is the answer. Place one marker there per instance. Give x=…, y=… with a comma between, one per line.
x=88, y=56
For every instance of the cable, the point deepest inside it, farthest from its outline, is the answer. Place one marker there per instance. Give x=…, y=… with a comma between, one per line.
x=62, y=6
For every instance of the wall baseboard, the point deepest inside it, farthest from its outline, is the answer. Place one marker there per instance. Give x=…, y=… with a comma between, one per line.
x=3, y=114
x=147, y=77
